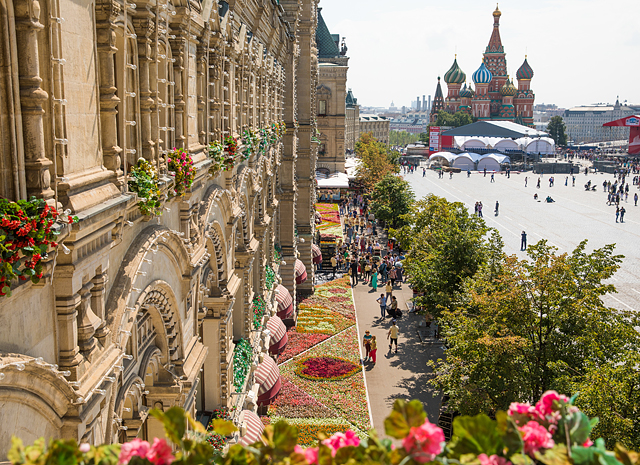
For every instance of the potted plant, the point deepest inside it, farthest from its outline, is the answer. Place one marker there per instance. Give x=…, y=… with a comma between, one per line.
x=181, y=164
x=143, y=181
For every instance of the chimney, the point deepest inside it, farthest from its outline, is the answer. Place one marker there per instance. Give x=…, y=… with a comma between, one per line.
x=418, y=103
x=424, y=103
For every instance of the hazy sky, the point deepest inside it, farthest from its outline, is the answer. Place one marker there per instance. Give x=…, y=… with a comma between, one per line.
x=581, y=51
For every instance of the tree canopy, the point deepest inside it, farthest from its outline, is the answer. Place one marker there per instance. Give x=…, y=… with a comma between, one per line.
x=521, y=327
x=445, y=245
x=459, y=118
x=402, y=138
x=376, y=160
x=557, y=130
x=392, y=197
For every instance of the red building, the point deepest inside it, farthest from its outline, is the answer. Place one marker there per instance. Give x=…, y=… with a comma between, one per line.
x=495, y=96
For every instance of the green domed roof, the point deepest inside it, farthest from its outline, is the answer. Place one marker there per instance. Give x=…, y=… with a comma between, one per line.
x=508, y=89
x=466, y=92
x=455, y=75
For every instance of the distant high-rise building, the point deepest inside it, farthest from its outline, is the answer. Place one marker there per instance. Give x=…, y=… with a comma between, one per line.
x=418, y=103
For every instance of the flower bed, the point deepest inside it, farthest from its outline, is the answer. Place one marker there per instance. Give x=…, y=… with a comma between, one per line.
x=316, y=319
x=335, y=296
x=348, y=397
x=330, y=228
x=295, y=403
x=299, y=342
x=326, y=368
x=310, y=428
x=241, y=363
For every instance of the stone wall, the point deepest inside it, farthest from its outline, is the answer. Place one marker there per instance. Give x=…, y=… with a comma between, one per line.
x=143, y=312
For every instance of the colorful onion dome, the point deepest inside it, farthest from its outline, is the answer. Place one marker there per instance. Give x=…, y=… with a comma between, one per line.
x=466, y=92
x=525, y=71
x=497, y=12
x=482, y=75
x=508, y=89
x=455, y=75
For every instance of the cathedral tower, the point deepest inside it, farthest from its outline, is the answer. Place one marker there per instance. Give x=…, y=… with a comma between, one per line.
x=496, y=62
x=454, y=79
x=524, y=99
x=438, y=103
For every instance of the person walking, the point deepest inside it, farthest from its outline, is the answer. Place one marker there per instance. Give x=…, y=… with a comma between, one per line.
x=617, y=213
x=497, y=207
x=393, y=276
x=635, y=199
x=374, y=349
x=523, y=241
x=485, y=172
x=622, y=212
x=389, y=289
x=382, y=300
x=393, y=310
x=366, y=343
x=480, y=209
x=525, y=181
x=334, y=265
x=374, y=279
x=492, y=178
x=538, y=186
x=353, y=271
x=392, y=335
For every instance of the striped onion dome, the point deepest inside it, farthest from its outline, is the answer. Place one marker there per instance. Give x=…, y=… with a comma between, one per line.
x=482, y=75
x=466, y=92
x=525, y=71
x=455, y=75
x=508, y=89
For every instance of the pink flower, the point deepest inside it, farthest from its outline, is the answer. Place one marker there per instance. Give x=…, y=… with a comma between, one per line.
x=84, y=447
x=493, y=460
x=424, y=442
x=519, y=408
x=545, y=405
x=338, y=440
x=535, y=437
x=137, y=447
x=310, y=454
x=160, y=453
x=587, y=443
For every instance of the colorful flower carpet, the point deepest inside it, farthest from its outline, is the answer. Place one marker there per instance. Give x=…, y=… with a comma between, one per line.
x=323, y=388
x=330, y=225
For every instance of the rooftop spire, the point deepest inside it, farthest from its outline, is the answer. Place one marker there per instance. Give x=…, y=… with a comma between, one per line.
x=495, y=43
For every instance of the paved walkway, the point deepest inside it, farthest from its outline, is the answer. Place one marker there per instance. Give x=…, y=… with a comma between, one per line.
x=395, y=376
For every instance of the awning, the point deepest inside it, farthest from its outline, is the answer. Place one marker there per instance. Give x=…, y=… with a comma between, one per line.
x=254, y=428
x=268, y=378
x=285, y=302
x=279, y=337
x=316, y=253
x=301, y=272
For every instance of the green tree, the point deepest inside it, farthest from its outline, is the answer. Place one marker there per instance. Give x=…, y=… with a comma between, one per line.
x=402, y=138
x=557, y=130
x=521, y=327
x=445, y=245
x=460, y=118
x=392, y=198
x=611, y=392
x=424, y=137
x=376, y=160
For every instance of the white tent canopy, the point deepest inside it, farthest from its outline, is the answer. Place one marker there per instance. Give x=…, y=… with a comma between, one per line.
x=492, y=162
x=506, y=144
x=334, y=181
x=541, y=145
x=444, y=158
x=466, y=161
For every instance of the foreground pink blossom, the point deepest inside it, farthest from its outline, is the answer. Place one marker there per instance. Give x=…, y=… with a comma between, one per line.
x=545, y=405
x=493, y=460
x=158, y=454
x=535, y=437
x=310, y=453
x=424, y=442
x=338, y=440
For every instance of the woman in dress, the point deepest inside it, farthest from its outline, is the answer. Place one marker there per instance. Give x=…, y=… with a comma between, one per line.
x=374, y=279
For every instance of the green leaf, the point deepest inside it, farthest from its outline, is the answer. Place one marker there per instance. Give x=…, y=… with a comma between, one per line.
x=624, y=456
x=223, y=427
x=510, y=434
x=174, y=421
x=557, y=455
x=403, y=417
x=324, y=455
x=593, y=456
x=396, y=426
x=475, y=435
x=521, y=459
x=285, y=437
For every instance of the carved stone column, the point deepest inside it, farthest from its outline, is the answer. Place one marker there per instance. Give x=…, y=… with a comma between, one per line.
x=88, y=322
x=178, y=47
x=32, y=98
x=69, y=357
x=145, y=28
x=201, y=90
x=97, y=305
x=106, y=13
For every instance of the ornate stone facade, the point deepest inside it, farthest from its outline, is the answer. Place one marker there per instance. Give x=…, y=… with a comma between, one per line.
x=143, y=312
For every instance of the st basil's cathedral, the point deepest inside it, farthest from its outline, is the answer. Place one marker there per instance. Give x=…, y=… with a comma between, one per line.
x=495, y=96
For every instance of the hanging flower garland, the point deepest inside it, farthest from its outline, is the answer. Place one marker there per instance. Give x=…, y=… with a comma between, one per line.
x=241, y=363
x=144, y=182
x=217, y=157
x=231, y=147
x=26, y=235
x=270, y=277
x=181, y=164
x=249, y=140
x=259, y=307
